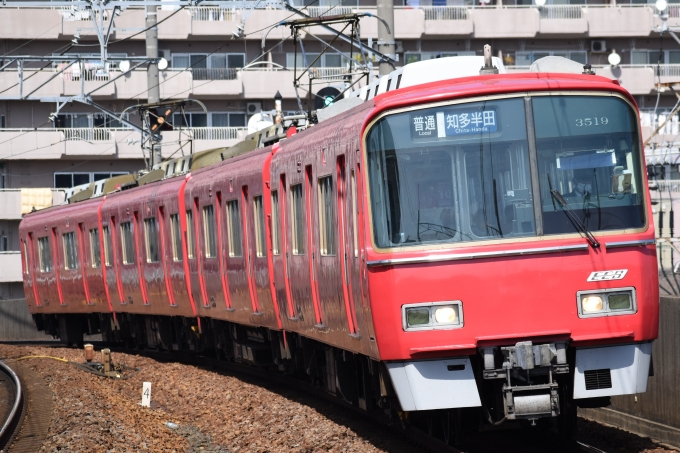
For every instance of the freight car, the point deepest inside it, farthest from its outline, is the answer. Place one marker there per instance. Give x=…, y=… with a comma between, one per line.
x=443, y=245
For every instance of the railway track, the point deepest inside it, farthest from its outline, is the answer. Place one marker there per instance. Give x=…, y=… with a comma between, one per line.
x=11, y=395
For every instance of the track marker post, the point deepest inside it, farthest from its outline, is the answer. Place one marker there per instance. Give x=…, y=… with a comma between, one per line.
x=146, y=394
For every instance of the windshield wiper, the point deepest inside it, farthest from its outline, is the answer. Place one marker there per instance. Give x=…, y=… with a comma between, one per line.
x=556, y=195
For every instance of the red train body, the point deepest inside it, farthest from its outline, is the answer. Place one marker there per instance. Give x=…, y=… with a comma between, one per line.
x=283, y=251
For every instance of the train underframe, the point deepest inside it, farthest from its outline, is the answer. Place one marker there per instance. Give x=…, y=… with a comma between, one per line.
x=518, y=385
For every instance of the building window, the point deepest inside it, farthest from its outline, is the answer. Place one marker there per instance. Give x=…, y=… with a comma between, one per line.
x=297, y=219
x=260, y=240
x=218, y=66
x=86, y=121
x=209, y=232
x=108, y=246
x=2, y=122
x=151, y=234
x=68, y=180
x=45, y=254
x=95, y=250
x=4, y=244
x=234, y=233
x=327, y=60
x=3, y=181
x=176, y=237
x=127, y=238
x=70, y=253
x=326, y=216
x=526, y=58
x=191, y=235
x=275, y=223
x=654, y=57
x=412, y=57
x=222, y=119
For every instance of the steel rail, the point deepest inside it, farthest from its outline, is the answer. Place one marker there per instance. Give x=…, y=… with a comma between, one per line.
x=6, y=431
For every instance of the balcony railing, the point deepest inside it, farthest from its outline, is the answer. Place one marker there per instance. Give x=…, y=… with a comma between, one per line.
x=316, y=11
x=445, y=12
x=214, y=73
x=328, y=73
x=96, y=134
x=217, y=133
x=212, y=13
x=561, y=12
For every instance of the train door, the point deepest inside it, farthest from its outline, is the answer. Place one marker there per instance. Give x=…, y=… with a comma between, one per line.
x=344, y=247
x=249, y=250
x=193, y=253
x=298, y=252
x=210, y=270
x=222, y=251
x=113, y=259
x=280, y=250
x=166, y=247
x=153, y=266
x=358, y=274
x=30, y=267
x=57, y=265
x=86, y=261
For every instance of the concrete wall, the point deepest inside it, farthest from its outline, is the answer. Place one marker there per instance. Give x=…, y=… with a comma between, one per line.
x=16, y=323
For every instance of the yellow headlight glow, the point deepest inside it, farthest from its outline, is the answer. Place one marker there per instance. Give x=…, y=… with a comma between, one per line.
x=446, y=315
x=591, y=304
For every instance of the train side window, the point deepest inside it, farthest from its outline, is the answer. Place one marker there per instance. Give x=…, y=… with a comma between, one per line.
x=95, y=250
x=326, y=216
x=297, y=219
x=354, y=215
x=151, y=232
x=176, y=237
x=276, y=250
x=234, y=233
x=209, y=232
x=70, y=255
x=26, y=257
x=108, y=246
x=191, y=238
x=260, y=241
x=127, y=238
x=45, y=254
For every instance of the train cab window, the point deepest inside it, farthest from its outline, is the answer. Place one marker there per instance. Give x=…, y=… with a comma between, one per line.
x=191, y=236
x=588, y=155
x=70, y=252
x=260, y=241
x=297, y=219
x=95, y=250
x=452, y=173
x=45, y=254
x=151, y=233
x=209, y=232
x=127, y=238
x=354, y=214
x=276, y=248
x=26, y=257
x=234, y=233
x=176, y=237
x=108, y=246
x=326, y=216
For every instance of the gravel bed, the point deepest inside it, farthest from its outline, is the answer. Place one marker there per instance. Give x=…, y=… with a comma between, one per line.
x=216, y=413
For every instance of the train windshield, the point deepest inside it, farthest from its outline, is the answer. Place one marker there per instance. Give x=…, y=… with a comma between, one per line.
x=462, y=172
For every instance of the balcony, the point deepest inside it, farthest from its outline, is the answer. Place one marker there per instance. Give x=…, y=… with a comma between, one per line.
x=10, y=267
x=32, y=144
x=490, y=21
x=11, y=201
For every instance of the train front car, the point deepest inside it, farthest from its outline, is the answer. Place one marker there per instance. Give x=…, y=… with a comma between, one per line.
x=512, y=265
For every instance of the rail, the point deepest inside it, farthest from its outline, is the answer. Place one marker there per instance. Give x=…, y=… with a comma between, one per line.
x=8, y=426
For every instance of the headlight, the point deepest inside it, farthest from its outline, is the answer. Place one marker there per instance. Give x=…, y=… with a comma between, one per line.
x=606, y=302
x=446, y=315
x=620, y=301
x=417, y=316
x=592, y=304
x=432, y=315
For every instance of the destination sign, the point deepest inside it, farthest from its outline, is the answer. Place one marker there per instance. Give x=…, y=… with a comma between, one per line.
x=453, y=123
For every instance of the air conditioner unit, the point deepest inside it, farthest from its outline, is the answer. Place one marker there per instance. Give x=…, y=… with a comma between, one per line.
x=598, y=46
x=253, y=107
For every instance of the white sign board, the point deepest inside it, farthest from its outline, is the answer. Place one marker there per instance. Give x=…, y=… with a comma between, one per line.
x=146, y=394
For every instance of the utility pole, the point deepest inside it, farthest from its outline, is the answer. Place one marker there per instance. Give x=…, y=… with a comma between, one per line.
x=386, y=44
x=154, y=91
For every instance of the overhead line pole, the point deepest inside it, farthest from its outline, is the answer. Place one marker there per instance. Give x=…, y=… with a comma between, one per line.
x=386, y=44
x=154, y=90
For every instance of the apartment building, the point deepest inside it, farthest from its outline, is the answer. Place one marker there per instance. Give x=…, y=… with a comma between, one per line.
x=80, y=144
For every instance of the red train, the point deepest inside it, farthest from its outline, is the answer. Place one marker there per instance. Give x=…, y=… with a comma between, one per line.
x=477, y=245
